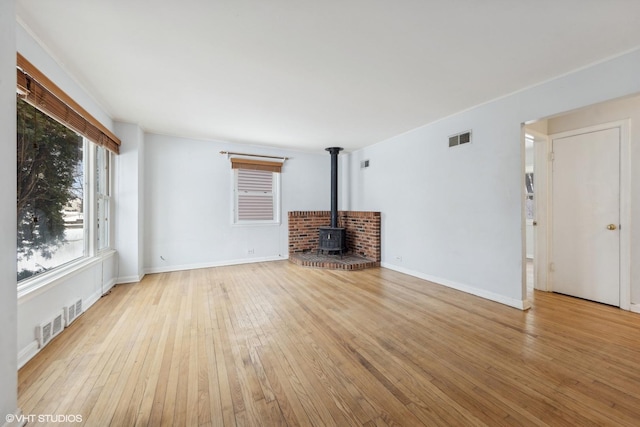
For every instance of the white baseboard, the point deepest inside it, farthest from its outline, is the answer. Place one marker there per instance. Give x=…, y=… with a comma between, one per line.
x=635, y=308
x=183, y=267
x=27, y=353
x=519, y=304
x=127, y=279
x=16, y=419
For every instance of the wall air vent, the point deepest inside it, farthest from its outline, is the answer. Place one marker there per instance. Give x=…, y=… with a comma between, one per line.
x=43, y=333
x=57, y=324
x=72, y=311
x=46, y=331
x=459, y=139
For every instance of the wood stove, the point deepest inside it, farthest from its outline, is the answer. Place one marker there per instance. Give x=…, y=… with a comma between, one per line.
x=333, y=238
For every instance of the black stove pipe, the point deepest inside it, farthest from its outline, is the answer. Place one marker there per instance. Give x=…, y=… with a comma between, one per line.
x=334, y=151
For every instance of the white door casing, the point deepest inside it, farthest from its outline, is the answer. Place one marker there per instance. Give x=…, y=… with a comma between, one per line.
x=541, y=164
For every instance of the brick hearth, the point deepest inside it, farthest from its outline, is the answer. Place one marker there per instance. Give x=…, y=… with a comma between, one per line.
x=363, y=239
x=332, y=262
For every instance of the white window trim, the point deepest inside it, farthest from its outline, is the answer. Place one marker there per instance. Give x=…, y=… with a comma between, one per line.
x=89, y=198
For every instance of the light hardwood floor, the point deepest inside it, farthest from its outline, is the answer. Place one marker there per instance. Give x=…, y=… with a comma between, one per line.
x=278, y=344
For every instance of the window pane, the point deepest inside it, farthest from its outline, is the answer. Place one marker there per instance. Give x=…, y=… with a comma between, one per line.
x=102, y=197
x=50, y=196
x=102, y=170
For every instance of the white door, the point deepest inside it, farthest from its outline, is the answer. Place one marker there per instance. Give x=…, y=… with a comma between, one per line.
x=586, y=216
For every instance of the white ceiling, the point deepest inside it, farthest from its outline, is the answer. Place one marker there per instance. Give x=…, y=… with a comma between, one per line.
x=308, y=74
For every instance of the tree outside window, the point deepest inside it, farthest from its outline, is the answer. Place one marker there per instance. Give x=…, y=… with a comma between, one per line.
x=50, y=196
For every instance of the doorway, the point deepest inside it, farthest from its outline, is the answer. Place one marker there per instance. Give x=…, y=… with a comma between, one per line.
x=568, y=174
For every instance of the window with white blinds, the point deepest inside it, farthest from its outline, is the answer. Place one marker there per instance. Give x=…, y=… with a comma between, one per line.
x=256, y=196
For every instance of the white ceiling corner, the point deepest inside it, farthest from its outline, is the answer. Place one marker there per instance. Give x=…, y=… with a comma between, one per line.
x=309, y=74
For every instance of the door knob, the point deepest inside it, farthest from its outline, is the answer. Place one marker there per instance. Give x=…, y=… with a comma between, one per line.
x=611, y=227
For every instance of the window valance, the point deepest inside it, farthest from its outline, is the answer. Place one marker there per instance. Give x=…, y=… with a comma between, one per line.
x=36, y=88
x=251, y=164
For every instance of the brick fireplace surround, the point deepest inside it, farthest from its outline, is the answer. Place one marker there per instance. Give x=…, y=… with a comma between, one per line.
x=363, y=239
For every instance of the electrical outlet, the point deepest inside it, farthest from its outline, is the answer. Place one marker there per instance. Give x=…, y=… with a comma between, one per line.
x=399, y=258
x=250, y=251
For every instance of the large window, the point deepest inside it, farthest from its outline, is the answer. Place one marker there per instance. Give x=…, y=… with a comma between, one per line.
x=54, y=197
x=63, y=182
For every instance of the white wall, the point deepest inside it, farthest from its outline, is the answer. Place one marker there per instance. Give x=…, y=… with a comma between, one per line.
x=188, y=200
x=92, y=280
x=8, y=290
x=620, y=109
x=128, y=194
x=454, y=215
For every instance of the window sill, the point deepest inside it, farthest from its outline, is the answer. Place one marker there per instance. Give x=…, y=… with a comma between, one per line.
x=39, y=284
